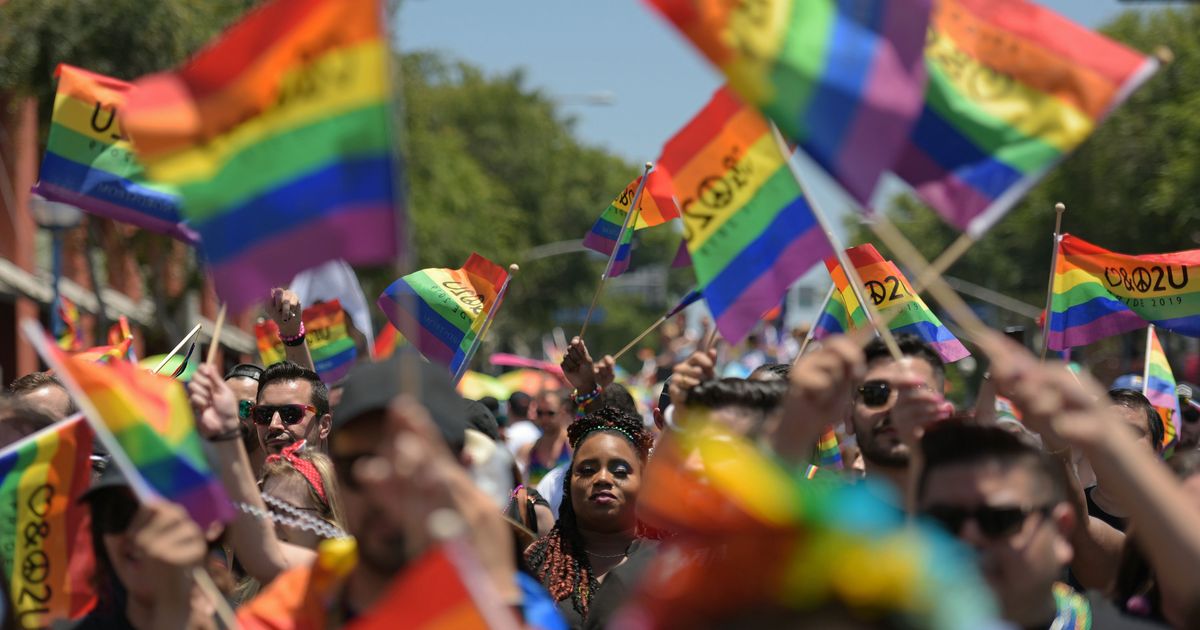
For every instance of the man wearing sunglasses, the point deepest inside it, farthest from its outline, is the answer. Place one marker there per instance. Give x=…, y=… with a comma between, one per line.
x=1007, y=501
x=243, y=380
x=292, y=405
x=876, y=403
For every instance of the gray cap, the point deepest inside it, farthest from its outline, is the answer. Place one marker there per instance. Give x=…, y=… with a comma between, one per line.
x=372, y=386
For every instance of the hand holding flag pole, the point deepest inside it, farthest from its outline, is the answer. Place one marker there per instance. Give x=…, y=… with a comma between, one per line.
x=1059, y=209
x=856, y=283
x=216, y=337
x=630, y=222
x=487, y=323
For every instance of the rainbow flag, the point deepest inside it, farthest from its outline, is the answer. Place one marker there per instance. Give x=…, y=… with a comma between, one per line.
x=603, y=235
x=828, y=453
x=45, y=541
x=151, y=418
x=749, y=230
x=1158, y=384
x=844, y=80
x=89, y=163
x=431, y=593
x=278, y=136
x=450, y=308
x=834, y=319
x=1013, y=88
x=1098, y=293
x=894, y=298
x=386, y=342
x=72, y=337
x=113, y=353
x=118, y=333
x=333, y=350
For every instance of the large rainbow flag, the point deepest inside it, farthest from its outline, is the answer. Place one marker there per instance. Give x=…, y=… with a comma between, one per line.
x=893, y=298
x=278, y=136
x=333, y=350
x=89, y=163
x=605, y=232
x=45, y=541
x=1158, y=384
x=441, y=311
x=1013, y=88
x=1098, y=293
x=844, y=80
x=749, y=230
x=430, y=594
x=151, y=418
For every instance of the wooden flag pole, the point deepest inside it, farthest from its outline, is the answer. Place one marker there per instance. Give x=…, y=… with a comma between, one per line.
x=1059, y=209
x=658, y=322
x=1146, y=363
x=487, y=323
x=851, y=272
x=629, y=223
x=709, y=340
x=216, y=337
x=174, y=351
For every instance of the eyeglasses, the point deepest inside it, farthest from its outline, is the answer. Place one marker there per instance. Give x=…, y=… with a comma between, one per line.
x=546, y=413
x=875, y=394
x=994, y=522
x=113, y=514
x=289, y=414
x=244, y=407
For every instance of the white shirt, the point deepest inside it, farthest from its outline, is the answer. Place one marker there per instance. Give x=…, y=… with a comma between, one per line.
x=551, y=487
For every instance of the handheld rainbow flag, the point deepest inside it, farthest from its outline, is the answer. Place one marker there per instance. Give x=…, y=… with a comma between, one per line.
x=278, y=136
x=828, y=454
x=844, y=80
x=450, y=308
x=333, y=351
x=603, y=235
x=45, y=541
x=1158, y=384
x=151, y=420
x=72, y=337
x=118, y=333
x=433, y=594
x=1013, y=88
x=90, y=165
x=386, y=342
x=114, y=353
x=893, y=297
x=749, y=230
x=834, y=319
x=1098, y=293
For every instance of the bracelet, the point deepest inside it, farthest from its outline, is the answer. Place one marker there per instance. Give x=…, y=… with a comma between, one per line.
x=293, y=341
x=583, y=400
x=232, y=434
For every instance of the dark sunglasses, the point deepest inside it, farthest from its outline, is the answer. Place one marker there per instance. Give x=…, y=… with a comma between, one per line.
x=875, y=393
x=993, y=522
x=546, y=413
x=113, y=514
x=289, y=414
x=244, y=407
x=343, y=468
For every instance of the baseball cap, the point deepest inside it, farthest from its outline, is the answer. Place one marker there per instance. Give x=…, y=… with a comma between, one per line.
x=244, y=370
x=1128, y=381
x=372, y=386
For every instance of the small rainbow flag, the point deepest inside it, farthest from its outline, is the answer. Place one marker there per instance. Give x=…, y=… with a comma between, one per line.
x=151, y=419
x=1098, y=293
x=828, y=453
x=118, y=333
x=72, y=337
x=278, y=136
x=844, y=80
x=386, y=342
x=1158, y=384
x=45, y=541
x=894, y=298
x=89, y=163
x=749, y=230
x=333, y=350
x=450, y=308
x=114, y=353
x=834, y=319
x=1013, y=88
x=603, y=235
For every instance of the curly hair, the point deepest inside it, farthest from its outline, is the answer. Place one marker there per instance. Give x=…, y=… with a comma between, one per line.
x=559, y=559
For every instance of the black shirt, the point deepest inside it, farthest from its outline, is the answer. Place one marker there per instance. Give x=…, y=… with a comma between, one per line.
x=1118, y=523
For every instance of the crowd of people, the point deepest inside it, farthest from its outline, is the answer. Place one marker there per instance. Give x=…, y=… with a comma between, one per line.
x=714, y=508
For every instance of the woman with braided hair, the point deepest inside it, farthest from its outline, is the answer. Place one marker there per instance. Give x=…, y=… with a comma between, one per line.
x=594, y=546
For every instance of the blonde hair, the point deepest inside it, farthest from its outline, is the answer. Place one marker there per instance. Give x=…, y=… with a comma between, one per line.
x=330, y=508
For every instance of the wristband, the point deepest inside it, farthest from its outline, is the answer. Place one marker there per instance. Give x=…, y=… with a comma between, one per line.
x=583, y=400
x=232, y=434
x=295, y=340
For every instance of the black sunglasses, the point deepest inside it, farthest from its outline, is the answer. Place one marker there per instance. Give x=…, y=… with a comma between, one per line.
x=993, y=522
x=114, y=512
x=289, y=414
x=244, y=407
x=875, y=394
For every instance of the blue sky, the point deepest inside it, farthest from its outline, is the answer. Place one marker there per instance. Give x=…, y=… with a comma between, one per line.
x=574, y=48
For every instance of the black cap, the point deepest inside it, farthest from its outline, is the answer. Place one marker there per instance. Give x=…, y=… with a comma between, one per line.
x=244, y=370
x=482, y=419
x=109, y=479
x=372, y=386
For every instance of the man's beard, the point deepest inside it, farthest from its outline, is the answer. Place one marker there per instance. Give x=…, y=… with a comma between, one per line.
x=386, y=557
x=879, y=455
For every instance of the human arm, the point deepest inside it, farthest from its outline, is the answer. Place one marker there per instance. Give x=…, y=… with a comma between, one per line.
x=819, y=394
x=286, y=310
x=252, y=537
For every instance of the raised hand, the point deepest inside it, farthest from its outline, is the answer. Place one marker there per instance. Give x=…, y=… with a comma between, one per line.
x=578, y=367
x=214, y=403
x=697, y=368
x=917, y=405
x=819, y=394
x=285, y=309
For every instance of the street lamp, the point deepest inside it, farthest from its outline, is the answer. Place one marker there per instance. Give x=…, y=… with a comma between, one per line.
x=56, y=217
